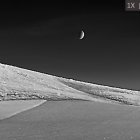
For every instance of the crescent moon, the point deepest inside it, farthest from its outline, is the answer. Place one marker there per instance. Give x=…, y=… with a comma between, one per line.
x=82, y=35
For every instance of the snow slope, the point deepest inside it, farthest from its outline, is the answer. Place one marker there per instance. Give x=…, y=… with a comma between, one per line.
x=18, y=83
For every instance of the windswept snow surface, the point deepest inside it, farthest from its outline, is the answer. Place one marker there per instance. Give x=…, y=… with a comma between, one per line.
x=106, y=93
x=10, y=108
x=21, y=84
x=17, y=83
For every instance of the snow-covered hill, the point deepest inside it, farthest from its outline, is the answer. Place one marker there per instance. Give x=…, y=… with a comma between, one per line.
x=18, y=83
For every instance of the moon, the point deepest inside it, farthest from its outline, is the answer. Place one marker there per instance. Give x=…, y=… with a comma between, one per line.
x=82, y=34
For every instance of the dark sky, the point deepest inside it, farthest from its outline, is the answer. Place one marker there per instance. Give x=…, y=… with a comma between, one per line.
x=45, y=38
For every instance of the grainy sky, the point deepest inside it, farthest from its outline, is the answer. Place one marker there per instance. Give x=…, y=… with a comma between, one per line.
x=45, y=38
